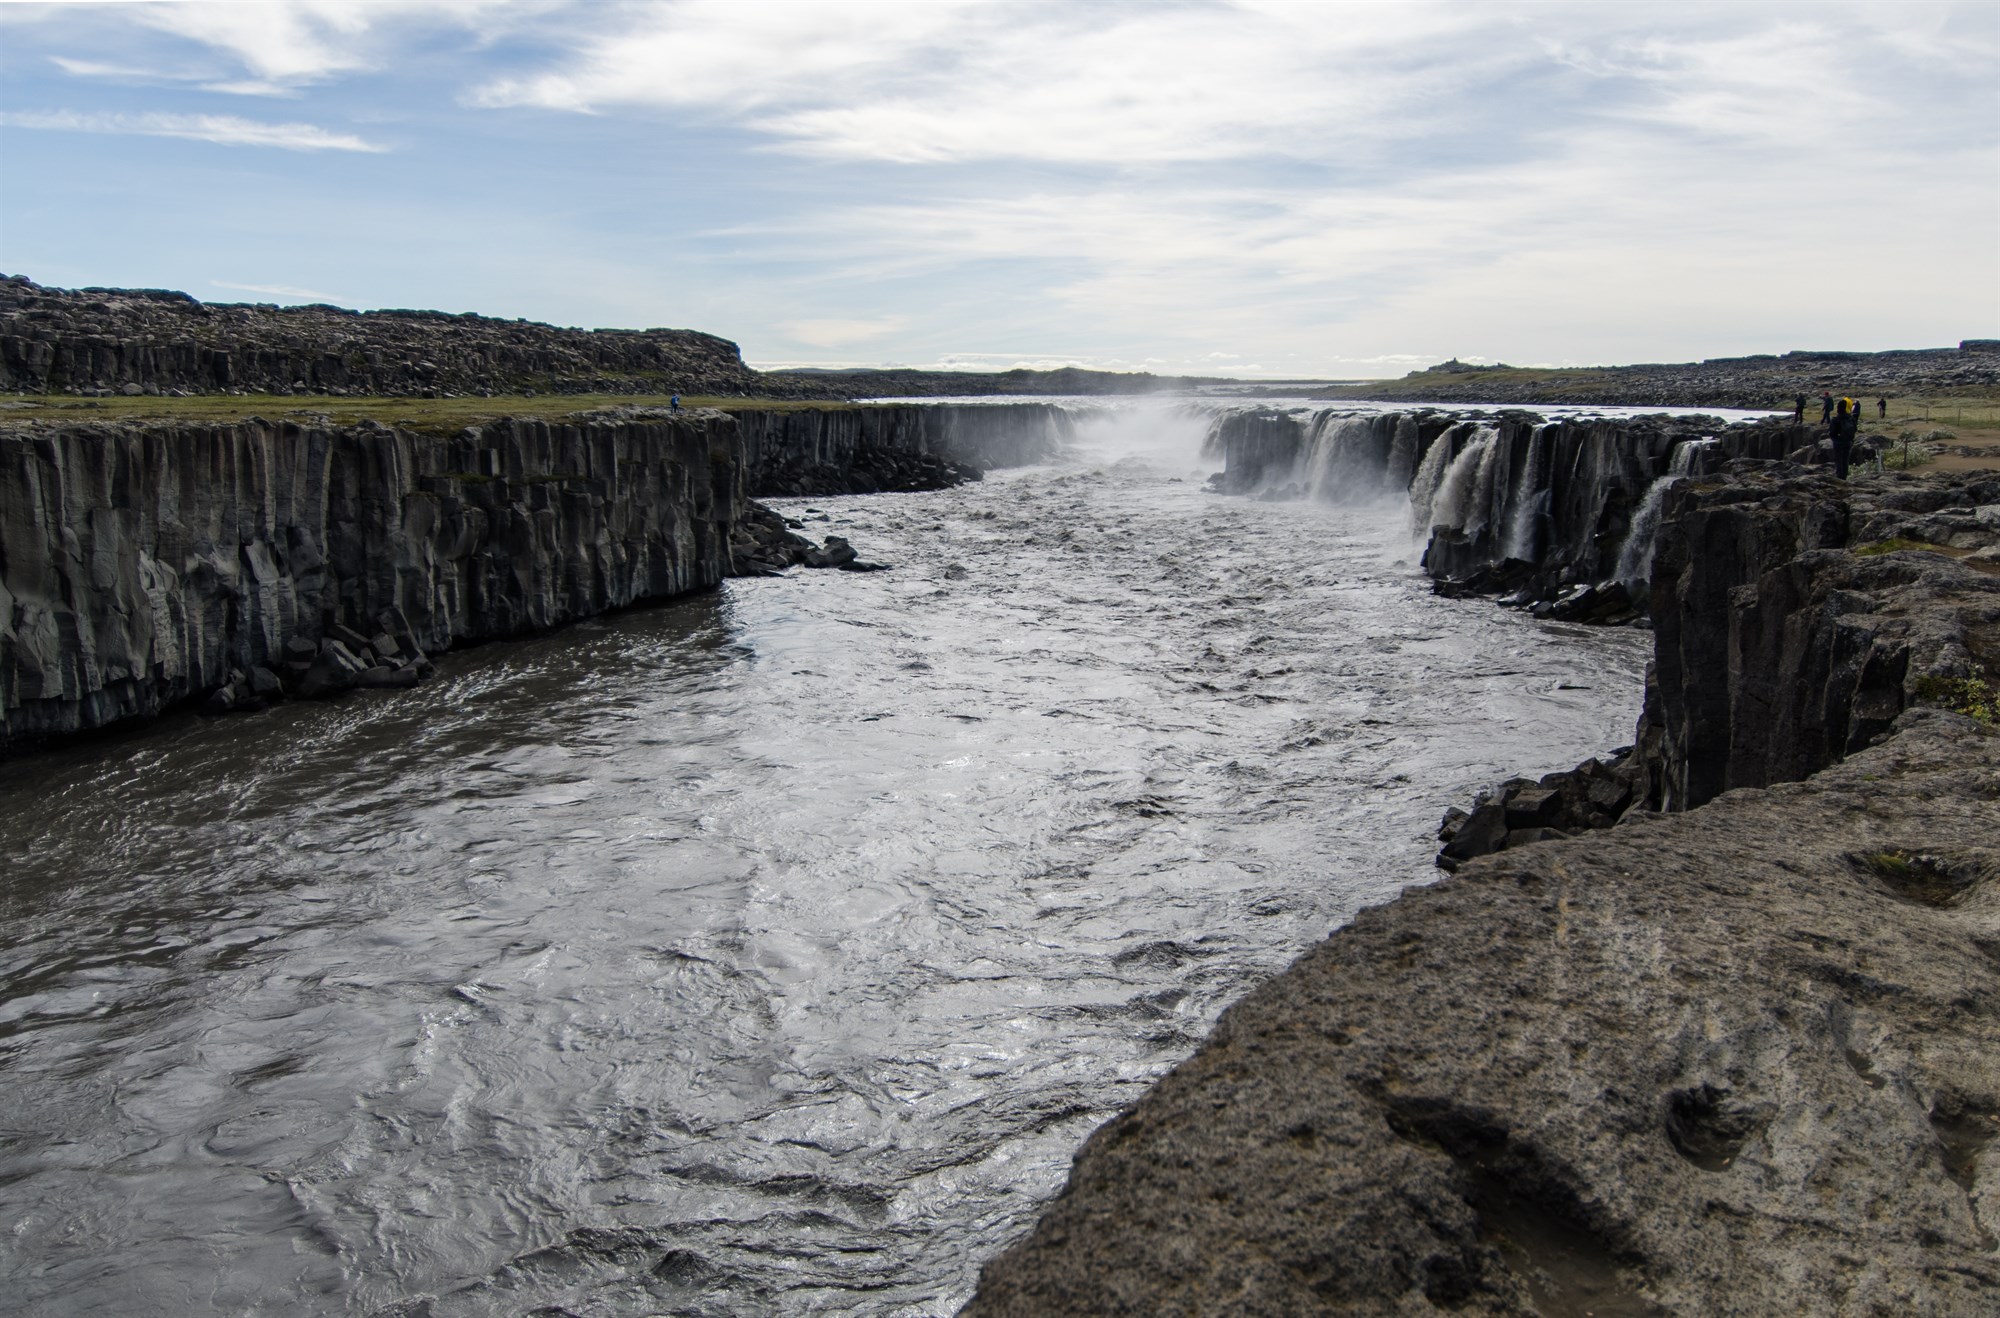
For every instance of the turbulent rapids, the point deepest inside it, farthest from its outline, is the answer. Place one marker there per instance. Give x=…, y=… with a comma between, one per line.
x=771, y=950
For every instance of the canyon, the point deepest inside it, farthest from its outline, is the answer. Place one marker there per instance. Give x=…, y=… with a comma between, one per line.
x=1702, y=1025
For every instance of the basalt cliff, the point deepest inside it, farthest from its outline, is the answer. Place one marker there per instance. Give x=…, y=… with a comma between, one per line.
x=1736, y=1050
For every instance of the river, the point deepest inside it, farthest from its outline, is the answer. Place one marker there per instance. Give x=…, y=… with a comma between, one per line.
x=768, y=951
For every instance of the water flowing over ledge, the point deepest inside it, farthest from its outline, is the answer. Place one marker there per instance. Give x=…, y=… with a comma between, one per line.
x=1557, y=512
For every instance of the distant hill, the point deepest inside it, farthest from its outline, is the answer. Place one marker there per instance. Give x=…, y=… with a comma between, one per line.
x=122, y=340
x=1970, y=370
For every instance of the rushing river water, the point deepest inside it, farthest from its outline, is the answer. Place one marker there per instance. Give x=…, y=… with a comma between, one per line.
x=771, y=951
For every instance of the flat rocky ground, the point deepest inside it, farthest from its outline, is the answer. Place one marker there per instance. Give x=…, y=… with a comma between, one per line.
x=1744, y=1060
x=1949, y=379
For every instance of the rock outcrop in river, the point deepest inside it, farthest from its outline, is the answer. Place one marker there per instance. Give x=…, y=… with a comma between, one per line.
x=1737, y=1060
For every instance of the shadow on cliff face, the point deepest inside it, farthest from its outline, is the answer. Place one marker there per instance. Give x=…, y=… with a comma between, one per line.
x=1926, y=879
x=1532, y=1221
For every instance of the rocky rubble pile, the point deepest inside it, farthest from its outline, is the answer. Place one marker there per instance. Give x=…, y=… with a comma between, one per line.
x=1521, y=811
x=342, y=659
x=765, y=542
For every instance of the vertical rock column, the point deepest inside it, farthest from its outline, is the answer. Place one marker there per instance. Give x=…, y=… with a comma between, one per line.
x=144, y=566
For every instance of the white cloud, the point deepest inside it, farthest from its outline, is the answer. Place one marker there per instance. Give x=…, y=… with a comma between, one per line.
x=838, y=333
x=928, y=83
x=222, y=129
x=283, y=45
x=284, y=291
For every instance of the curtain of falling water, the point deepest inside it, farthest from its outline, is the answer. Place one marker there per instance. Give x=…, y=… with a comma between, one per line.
x=769, y=951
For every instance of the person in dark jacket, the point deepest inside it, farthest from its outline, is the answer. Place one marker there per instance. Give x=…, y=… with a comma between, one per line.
x=1846, y=420
x=1882, y=409
x=1799, y=410
x=1826, y=409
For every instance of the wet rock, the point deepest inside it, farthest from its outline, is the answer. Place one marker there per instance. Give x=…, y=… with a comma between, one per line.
x=336, y=669
x=1532, y=807
x=836, y=552
x=763, y=544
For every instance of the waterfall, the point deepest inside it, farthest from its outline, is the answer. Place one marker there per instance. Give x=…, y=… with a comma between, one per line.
x=1429, y=478
x=1401, y=469
x=1635, y=560
x=1485, y=501
x=1467, y=487
x=1689, y=456
x=1526, y=501
x=1341, y=463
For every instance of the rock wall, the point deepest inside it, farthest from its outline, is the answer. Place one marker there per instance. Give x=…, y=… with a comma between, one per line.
x=144, y=566
x=1778, y=651
x=871, y=448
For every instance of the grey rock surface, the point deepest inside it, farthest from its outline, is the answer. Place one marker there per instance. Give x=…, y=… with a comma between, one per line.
x=1744, y=1060
x=141, y=566
x=1777, y=650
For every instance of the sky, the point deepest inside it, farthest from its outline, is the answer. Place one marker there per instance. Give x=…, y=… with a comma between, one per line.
x=1247, y=189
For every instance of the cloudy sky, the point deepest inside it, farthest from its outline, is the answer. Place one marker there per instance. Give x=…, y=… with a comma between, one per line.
x=1254, y=188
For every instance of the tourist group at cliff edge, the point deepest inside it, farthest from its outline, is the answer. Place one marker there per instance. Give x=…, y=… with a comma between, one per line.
x=1842, y=418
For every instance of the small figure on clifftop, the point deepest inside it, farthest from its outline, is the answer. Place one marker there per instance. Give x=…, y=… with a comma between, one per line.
x=1825, y=409
x=674, y=403
x=1882, y=408
x=1799, y=410
x=1846, y=420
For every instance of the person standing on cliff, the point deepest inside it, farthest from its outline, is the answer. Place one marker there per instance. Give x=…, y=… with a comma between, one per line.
x=1826, y=409
x=1882, y=408
x=674, y=403
x=1845, y=421
x=1799, y=410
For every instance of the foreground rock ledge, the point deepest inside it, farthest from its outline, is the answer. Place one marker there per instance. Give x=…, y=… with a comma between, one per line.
x=1740, y=1061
